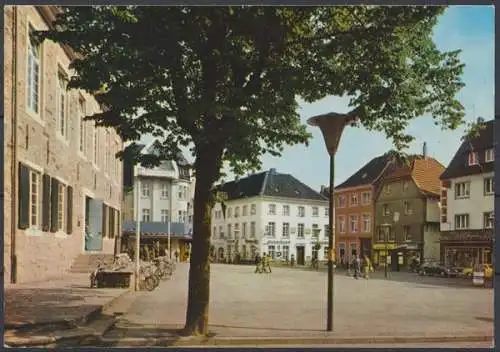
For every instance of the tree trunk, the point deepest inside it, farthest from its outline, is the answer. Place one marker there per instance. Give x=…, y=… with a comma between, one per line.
x=207, y=172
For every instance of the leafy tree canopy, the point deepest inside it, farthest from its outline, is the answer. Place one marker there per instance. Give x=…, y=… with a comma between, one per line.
x=227, y=78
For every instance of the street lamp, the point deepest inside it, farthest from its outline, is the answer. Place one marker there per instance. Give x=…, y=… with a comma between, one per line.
x=331, y=126
x=386, y=228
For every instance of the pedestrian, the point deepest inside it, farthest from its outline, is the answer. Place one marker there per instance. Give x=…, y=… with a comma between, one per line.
x=268, y=264
x=292, y=260
x=355, y=267
x=367, y=267
x=176, y=254
x=258, y=264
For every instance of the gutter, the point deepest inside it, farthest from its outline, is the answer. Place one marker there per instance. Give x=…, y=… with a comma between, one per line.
x=14, y=168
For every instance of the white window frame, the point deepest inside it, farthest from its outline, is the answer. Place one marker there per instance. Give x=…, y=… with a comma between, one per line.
x=353, y=200
x=386, y=210
x=229, y=231
x=271, y=209
x=462, y=190
x=164, y=215
x=285, y=229
x=462, y=221
x=342, y=223
x=301, y=211
x=35, y=204
x=253, y=209
x=96, y=149
x=286, y=210
x=145, y=189
x=243, y=229
x=315, y=230
x=356, y=222
x=488, y=220
x=342, y=201
x=164, y=191
x=244, y=210
x=62, y=104
x=366, y=219
x=62, y=220
x=315, y=212
x=473, y=158
x=252, y=229
x=489, y=155
x=406, y=234
x=236, y=212
x=364, y=195
x=221, y=231
x=82, y=127
x=301, y=230
x=271, y=229
x=407, y=207
x=34, y=56
x=327, y=212
x=146, y=215
x=489, y=186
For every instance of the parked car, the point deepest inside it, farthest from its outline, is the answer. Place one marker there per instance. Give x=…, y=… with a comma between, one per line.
x=439, y=269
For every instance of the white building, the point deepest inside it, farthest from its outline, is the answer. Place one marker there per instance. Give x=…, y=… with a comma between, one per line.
x=467, y=202
x=273, y=213
x=166, y=200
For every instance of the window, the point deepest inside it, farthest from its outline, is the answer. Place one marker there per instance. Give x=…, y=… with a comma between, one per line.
x=35, y=199
x=252, y=229
x=488, y=220
x=245, y=210
x=229, y=232
x=83, y=125
x=62, y=125
x=315, y=212
x=236, y=212
x=33, y=72
x=236, y=230
x=253, y=209
x=405, y=185
x=164, y=215
x=314, y=252
x=272, y=209
x=221, y=232
x=354, y=249
x=325, y=252
x=366, y=223
x=271, y=229
x=164, y=191
x=286, y=252
x=327, y=231
x=286, y=229
x=387, y=189
x=341, y=250
x=146, y=215
x=353, y=200
x=461, y=221
x=61, y=207
x=301, y=212
x=381, y=234
x=96, y=144
x=145, y=189
x=385, y=210
x=181, y=192
x=406, y=233
x=341, y=201
x=489, y=155
x=366, y=198
x=407, y=207
x=244, y=230
x=300, y=230
x=327, y=212
x=214, y=232
x=286, y=210
x=462, y=190
x=353, y=223
x=229, y=212
x=271, y=250
x=315, y=230
x=489, y=185
x=473, y=159
x=342, y=223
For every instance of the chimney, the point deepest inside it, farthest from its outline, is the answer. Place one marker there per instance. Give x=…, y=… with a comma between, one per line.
x=424, y=150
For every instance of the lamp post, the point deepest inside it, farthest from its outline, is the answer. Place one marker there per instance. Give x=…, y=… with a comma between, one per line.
x=331, y=126
x=137, y=234
x=386, y=240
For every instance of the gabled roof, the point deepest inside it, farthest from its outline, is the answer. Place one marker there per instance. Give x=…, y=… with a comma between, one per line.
x=459, y=165
x=269, y=183
x=368, y=174
x=424, y=171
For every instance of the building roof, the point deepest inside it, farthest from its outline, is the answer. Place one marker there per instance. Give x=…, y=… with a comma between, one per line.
x=425, y=172
x=368, y=174
x=269, y=183
x=157, y=229
x=459, y=165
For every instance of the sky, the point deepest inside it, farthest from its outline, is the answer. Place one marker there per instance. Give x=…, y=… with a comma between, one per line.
x=470, y=28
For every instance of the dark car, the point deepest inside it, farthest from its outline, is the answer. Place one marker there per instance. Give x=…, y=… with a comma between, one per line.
x=438, y=269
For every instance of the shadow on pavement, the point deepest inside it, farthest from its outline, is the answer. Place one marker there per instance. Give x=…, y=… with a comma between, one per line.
x=264, y=328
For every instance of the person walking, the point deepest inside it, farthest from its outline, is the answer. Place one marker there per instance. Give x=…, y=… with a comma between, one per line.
x=258, y=264
x=268, y=264
x=367, y=267
x=355, y=266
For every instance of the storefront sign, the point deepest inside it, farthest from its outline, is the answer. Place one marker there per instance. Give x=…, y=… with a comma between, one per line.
x=383, y=246
x=467, y=236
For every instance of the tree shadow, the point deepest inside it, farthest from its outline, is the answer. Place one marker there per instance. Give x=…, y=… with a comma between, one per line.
x=264, y=328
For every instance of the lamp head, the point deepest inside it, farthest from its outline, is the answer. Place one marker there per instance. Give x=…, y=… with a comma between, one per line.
x=331, y=126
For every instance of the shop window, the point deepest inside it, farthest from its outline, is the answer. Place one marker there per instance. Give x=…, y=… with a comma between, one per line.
x=488, y=220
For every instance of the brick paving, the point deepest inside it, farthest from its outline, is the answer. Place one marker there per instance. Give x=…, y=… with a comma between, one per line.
x=53, y=301
x=292, y=303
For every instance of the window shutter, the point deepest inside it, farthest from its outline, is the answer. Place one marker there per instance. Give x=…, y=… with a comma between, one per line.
x=111, y=222
x=69, y=210
x=24, y=197
x=118, y=222
x=46, y=203
x=54, y=200
x=104, y=221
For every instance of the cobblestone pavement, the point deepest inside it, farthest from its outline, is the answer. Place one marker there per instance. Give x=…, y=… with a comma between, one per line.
x=292, y=303
x=51, y=301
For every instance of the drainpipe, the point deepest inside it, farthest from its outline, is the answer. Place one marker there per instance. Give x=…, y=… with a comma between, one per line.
x=13, y=172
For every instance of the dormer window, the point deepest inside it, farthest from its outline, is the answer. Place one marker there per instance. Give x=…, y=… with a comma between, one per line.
x=473, y=159
x=489, y=155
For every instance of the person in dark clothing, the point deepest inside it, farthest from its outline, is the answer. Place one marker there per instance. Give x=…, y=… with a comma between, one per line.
x=258, y=264
x=355, y=266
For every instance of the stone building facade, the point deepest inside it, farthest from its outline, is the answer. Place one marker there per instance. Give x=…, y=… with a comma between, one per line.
x=62, y=182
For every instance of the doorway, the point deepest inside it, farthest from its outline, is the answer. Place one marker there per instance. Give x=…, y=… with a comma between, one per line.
x=301, y=255
x=93, y=225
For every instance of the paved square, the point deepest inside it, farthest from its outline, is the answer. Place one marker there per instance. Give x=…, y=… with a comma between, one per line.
x=293, y=303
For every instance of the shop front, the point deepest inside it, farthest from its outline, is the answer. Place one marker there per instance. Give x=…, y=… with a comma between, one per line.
x=467, y=248
x=382, y=253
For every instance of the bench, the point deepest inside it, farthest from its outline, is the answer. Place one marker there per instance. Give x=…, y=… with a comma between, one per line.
x=113, y=279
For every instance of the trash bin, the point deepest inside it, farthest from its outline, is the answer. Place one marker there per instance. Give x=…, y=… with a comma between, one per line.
x=478, y=278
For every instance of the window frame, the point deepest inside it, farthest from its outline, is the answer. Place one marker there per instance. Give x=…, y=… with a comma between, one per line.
x=363, y=218
x=489, y=155
x=356, y=217
x=146, y=215
x=457, y=186
x=491, y=184
x=62, y=115
x=353, y=196
x=458, y=225
x=62, y=216
x=37, y=202
x=473, y=158
x=301, y=234
x=342, y=223
x=35, y=57
x=285, y=229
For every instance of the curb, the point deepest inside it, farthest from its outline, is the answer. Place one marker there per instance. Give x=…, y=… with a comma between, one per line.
x=282, y=341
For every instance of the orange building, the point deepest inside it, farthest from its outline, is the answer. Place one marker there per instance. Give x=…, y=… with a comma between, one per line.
x=355, y=210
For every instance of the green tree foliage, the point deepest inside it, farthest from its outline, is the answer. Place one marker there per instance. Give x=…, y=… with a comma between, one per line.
x=226, y=80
